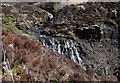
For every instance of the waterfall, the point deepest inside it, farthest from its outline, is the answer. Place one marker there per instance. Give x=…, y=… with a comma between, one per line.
x=63, y=46
x=50, y=15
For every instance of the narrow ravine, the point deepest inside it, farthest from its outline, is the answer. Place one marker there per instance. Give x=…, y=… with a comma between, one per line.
x=87, y=42
x=61, y=45
x=87, y=34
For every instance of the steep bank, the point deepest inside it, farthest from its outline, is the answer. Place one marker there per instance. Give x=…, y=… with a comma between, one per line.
x=94, y=28
x=22, y=18
x=31, y=61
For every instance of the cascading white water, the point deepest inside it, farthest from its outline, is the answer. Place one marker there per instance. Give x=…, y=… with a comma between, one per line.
x=63, y=46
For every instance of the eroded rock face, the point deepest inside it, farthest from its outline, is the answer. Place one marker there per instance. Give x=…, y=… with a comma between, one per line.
x=84, y=16
x=95, y=29
x=36, y=62
x=93, y=26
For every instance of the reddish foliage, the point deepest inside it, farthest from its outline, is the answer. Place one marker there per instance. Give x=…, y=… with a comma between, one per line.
x=37, y=61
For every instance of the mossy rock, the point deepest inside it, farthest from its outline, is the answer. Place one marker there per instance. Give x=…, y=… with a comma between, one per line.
x=16, y=70
x=9, y=23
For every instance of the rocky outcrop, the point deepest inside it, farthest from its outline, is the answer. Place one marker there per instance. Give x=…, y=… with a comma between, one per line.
x=93, y=26
x=30, y=60
x=95, y=29
x=21, y=17
x=67, y=22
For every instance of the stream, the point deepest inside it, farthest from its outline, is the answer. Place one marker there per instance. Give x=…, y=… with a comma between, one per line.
x=63, y=46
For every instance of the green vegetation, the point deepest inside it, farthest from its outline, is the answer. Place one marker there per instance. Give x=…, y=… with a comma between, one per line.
x=54, y=81
x=16, y=70
x=9, y=22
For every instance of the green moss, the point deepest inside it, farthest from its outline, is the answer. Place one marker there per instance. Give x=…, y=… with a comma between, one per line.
x=9, y=22
x=54, y=81
x=16, y=70
x=12, y=28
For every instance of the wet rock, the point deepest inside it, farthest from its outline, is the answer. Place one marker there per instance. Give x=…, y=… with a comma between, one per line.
x=97, y=45
x=89, y=33
x=112, y=14
x=95, y=29
x=42, y=64
x=63, y=46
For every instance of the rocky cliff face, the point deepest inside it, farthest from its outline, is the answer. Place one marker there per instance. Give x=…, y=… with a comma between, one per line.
x=31, y=61
x=86, y=33
x=95, y=29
